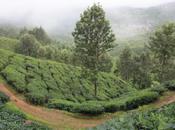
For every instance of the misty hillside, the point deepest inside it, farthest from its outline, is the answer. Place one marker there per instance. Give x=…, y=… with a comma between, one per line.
x=127, y=22
x=138, y=20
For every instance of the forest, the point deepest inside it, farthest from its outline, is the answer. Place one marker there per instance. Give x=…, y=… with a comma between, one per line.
x=121, y=83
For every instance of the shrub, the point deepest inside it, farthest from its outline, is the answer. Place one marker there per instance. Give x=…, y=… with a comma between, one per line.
x=37, y=98
x=4, y=98
x=62, y=104
x=89, y=108
x=141, y=99
x=170, y=84
x=158, y=88
x=155, y=119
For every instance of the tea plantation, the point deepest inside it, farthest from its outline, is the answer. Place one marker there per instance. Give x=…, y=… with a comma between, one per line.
x=157, y=119
x=15, y=120
x=62, y=86
x=8, y=43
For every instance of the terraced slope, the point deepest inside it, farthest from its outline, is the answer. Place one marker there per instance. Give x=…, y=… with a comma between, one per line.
x=62, y=86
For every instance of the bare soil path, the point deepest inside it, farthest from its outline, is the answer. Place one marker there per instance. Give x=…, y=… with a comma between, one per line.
x=61, y=121
x=58, y=119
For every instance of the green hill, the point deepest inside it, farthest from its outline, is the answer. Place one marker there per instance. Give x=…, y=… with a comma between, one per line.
x=62, y=86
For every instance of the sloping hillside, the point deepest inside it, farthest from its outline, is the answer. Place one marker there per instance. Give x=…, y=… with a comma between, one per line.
x=55, y=80
x=62, y=86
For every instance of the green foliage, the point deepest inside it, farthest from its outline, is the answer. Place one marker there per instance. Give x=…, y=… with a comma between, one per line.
x=89, y=108
x=3, y=98
x=125, y=102
x=93, y=37
x=156, y=119
x=170, y=84
x=14, y=119
x=158, y=88
x=40, y=35
x=162, y=45
x=8, y=43
x=10, y=119
x=43, y=81
x=28, y=45
x=135, y=68
x=125, y=64
x=8, y=31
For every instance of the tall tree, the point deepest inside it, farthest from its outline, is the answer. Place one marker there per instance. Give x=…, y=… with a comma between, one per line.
x=93, y=37
x=162, y=44
x=28, y=45
x=40, y=35
x=141, y=70
x=125, y=62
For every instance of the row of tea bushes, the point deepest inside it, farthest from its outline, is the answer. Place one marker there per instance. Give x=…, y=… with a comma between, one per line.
x=127, y=102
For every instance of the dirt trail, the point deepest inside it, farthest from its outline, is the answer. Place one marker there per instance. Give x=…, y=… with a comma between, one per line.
x=55, y=118
x=59, y=120
x=165, y=100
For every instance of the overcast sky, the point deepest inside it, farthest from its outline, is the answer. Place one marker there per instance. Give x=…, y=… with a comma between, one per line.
x=48, y=13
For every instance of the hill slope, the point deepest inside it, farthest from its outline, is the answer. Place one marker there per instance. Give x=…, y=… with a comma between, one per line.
x=62, y=86
x=55, y=80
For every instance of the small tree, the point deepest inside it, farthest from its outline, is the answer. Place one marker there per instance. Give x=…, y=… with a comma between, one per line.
x=28, y=45
x=162, y=45
x=93, y=37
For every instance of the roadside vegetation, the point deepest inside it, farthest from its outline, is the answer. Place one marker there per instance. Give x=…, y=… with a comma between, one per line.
x=160, y=119
x=15, y=119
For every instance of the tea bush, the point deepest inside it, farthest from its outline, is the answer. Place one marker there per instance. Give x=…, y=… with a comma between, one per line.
x=156, y=119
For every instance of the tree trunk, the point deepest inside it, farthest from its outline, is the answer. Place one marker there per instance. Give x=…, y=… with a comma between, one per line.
x=95, y=87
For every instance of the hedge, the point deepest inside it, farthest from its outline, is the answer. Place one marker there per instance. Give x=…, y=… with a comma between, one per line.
x=126, y=102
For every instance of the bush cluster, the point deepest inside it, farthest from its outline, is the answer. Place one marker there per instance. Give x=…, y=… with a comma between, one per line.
x=98, y=107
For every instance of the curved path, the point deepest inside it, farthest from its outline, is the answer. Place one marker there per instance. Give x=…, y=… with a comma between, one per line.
x=59, y=120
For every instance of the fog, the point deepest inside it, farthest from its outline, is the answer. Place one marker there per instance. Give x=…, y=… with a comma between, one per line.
x=59, y=15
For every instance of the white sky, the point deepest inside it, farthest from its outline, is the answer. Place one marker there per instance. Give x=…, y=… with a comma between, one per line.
x=11, y=4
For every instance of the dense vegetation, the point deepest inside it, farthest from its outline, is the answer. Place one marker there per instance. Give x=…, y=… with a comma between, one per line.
x=46, y=82
x=85, y=78
x=156, y=119
x=14, y=119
